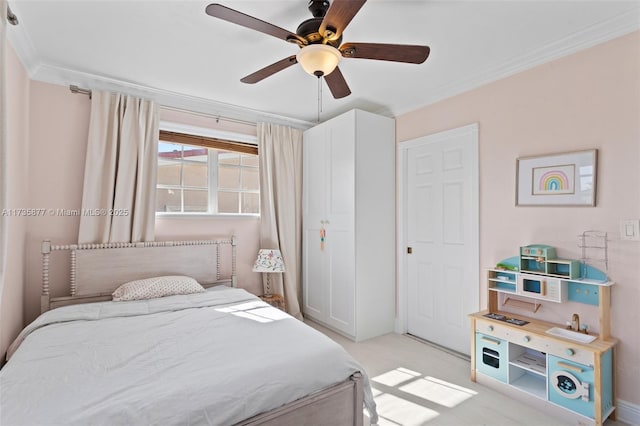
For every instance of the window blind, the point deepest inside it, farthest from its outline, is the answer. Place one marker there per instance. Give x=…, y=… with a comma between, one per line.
x=208, y=142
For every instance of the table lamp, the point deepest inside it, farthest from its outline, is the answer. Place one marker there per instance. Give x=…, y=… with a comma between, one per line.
x=269, y=261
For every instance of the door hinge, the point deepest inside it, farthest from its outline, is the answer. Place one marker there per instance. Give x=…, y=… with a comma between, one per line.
x=409, y=250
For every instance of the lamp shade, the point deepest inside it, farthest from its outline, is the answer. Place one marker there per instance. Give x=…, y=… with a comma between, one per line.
x=269, y=260
x=319, y=59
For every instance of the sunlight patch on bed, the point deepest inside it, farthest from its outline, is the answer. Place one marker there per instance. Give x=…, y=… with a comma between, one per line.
x=271, y=313
x=242, y=307
x=438, y=391
x=251, y=316
x=256, y=311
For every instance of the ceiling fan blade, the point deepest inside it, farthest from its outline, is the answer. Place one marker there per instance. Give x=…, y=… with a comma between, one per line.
x=412, y=54
x=270, y=70
x=337, y=84
x=340, y=13
x=219, y=11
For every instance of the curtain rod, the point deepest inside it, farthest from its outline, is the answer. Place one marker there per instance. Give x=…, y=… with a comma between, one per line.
x=217, y=117
x=77, y=90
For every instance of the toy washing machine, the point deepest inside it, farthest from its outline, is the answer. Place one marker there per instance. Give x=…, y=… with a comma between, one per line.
x=571, y=385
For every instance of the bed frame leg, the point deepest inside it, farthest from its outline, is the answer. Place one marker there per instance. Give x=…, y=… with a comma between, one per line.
x=358, y=399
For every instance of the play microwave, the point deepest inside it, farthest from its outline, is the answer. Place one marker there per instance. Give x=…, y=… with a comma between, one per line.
x=541, y=287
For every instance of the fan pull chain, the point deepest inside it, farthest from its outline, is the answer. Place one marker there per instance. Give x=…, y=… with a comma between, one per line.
x=319, y=97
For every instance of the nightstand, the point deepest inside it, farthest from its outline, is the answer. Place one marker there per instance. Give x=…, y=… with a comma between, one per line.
x=275, y=300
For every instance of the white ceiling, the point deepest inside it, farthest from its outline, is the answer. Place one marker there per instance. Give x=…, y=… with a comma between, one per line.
x=173, y=51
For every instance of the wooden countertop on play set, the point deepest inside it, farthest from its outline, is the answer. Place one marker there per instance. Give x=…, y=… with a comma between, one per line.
x=539, y=327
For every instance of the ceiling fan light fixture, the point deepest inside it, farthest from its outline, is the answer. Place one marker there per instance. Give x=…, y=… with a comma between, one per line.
x=319, y=59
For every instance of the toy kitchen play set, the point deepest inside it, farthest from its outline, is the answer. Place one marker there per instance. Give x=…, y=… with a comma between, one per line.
x=561, y=369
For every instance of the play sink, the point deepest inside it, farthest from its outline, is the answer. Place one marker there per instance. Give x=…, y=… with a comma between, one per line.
x=571, y=335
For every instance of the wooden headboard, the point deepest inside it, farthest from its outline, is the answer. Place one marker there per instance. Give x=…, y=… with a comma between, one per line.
x=98, y=269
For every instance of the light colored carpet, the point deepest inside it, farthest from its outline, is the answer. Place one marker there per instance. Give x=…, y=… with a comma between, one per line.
x=417, y=384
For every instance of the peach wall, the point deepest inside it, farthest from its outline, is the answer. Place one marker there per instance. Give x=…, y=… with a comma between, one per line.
x=59, y=124
x=11, y=301
x=586, y=100
x=247, y=229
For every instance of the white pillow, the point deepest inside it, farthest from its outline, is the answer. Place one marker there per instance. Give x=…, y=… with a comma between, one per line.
x=150, y=288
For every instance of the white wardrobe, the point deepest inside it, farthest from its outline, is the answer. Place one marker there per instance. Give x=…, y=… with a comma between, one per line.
x=349, y=192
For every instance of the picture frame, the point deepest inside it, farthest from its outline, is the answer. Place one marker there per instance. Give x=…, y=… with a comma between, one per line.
x=564, y=179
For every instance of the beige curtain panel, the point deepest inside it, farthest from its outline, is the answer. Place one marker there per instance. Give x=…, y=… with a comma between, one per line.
x=118, y=198
x=280, y=154
x=3, y=138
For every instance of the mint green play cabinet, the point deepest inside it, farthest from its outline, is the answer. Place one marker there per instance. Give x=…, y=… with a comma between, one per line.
x=568, y=373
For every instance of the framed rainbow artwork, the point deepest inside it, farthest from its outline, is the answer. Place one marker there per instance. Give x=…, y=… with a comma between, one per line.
x=566, y=179
x=554, y=180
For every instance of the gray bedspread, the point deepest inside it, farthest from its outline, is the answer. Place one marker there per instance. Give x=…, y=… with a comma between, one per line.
x=212, y=358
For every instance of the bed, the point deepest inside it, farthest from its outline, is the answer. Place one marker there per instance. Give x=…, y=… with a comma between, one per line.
x=219, y=356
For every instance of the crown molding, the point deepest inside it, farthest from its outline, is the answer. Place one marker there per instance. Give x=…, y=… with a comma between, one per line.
x=24, y=48
x=593, y=35
x=65, y=77
x=38, y=70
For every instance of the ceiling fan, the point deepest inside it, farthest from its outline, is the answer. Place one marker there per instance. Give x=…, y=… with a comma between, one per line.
x=320, y=42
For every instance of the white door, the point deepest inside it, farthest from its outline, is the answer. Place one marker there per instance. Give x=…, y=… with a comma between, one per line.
x=441, y=227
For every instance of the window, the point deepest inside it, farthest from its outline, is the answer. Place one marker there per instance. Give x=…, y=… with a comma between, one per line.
x=211, y=176
x=238, y=183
